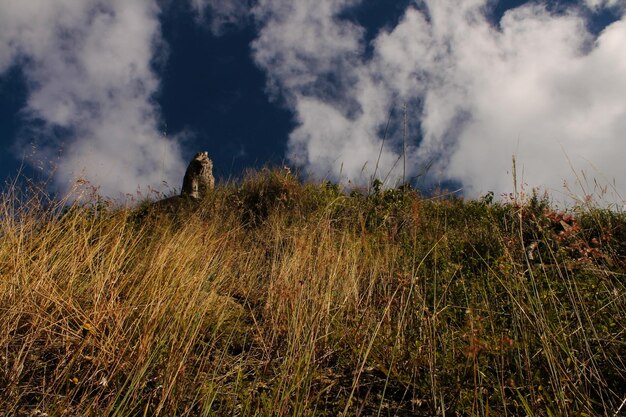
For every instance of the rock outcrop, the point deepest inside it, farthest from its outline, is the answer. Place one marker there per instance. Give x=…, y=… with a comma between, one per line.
x=197, y=183
x=198, y=179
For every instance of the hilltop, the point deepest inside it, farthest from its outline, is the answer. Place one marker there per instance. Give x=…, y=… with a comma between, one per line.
x=277, y=297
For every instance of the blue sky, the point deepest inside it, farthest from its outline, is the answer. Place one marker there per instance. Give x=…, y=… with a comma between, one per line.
x=124, y=93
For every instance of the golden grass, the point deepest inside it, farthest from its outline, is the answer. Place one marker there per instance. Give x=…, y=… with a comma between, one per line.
x=277, y=298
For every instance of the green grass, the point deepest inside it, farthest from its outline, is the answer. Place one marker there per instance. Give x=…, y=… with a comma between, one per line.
x=281, y=298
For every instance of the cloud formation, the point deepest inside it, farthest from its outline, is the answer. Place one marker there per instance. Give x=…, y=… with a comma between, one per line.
x=314, y=60
x=536, y=85
x=87, y=64
x=599, y=4
x=539, y=88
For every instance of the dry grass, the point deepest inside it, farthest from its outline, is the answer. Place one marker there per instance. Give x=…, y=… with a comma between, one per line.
x=277, y=298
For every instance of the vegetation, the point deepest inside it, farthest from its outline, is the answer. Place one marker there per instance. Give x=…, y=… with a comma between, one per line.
x=277, y=298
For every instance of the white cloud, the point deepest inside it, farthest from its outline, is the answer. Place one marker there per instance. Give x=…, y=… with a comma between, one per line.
x=538, y=86
x=314, y=60
x=301, y=43
x=599, y=4
x=88, y=68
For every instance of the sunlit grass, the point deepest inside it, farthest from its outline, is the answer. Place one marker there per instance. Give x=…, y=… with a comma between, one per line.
x=282, y=298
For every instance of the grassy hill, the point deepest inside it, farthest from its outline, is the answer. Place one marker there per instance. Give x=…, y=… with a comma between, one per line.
x=277, y=298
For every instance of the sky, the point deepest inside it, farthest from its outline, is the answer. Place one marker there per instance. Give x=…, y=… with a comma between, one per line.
x=439, y=93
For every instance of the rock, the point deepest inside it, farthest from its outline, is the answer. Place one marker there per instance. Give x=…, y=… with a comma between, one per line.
x=198, y=179
x=197, y=183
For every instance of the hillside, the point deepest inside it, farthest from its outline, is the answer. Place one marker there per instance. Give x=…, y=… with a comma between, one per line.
x=276, y=297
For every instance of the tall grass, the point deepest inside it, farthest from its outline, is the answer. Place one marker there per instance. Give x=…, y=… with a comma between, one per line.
x=281, y=298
